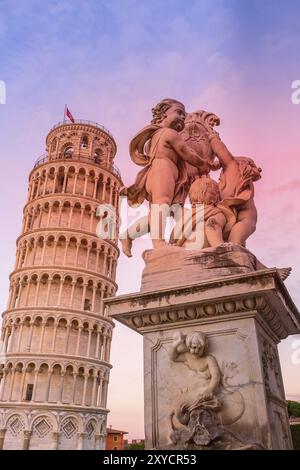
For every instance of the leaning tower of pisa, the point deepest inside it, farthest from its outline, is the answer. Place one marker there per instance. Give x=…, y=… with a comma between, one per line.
x=56, y=338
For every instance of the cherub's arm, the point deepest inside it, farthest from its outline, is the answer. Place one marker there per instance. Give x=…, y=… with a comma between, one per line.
x=220, y=149
x=215, y=374
x=178, y=348
x=183, y=150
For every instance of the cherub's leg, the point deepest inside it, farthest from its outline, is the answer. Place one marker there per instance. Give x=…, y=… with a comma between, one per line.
x=162, y=193
x=213, y=229
x=158, y=218
x=245, y=226
x=137, y=229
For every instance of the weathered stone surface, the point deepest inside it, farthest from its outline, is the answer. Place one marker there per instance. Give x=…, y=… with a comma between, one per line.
x=170, y=266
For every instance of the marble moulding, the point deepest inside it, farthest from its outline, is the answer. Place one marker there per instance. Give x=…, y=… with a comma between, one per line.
x=212, y=377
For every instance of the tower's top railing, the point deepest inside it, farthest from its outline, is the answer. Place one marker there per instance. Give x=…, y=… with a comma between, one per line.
x=45, y=158
x=82, y=121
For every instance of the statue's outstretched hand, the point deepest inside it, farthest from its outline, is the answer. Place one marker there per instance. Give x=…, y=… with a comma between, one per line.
x=179, y=342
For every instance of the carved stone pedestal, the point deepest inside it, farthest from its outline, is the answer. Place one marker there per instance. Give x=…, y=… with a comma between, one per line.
x=211, y=370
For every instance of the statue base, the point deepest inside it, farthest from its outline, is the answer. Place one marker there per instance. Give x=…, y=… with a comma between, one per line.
x=169, y=265
x=243, y=317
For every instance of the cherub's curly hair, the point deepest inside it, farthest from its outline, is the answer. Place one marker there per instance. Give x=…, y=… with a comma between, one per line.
x=198, y=337
x=159, y=111
x=248, y=168
x=204, y=190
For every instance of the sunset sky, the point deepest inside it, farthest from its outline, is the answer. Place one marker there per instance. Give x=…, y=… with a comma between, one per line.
x=111, y=61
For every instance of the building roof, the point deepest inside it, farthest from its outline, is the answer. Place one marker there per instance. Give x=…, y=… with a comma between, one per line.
x=115, y=431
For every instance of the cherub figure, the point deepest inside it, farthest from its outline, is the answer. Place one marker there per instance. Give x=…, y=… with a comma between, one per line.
x=192, y=349
x=164, y=181
x=206, y=209
x=237, y=189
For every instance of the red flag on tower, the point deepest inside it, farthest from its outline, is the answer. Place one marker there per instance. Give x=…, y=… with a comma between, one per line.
x=69, y=114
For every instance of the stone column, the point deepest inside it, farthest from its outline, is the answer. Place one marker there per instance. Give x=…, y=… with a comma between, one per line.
x=27, y=293
x=43, y=325
x=55, y=435
x=60, y=291
x=91, y=220
x=97, y=441
x=30, y=336
x=22, y=384
x=26, y=441
x=65, y=182
x=61, y=388
x=40, y=217
x=103, y=190
x=99, y=394
x=97, y=345
x=77, y=253
x=89, y=342
x=5, y=341
x=105, y=390
x=48, y=291
x=75, y=183
x=81, y=218
x=54, y=250
x=2, y=437
x=47, y=390
x=70, y=215
x=54, y=182
x=60, y=213
x=11, y=342
x=102, y=291
x=110, y=193
x=36, y=372
x=94, y=298
x=84, y=389
x=66, y=251
x=67, y=338
x=97, y=259
x=95, y=187
x=105, y=254
x=80, y=328
x=54, y=336
x=20, y=336
x=103, y=352
x=110, y=265
x=73, y=283
x=13, y=373
x=85, y=184
x=93, y=400
x=45, y=184
x=49, y=214
x=74, y=386
x=80, y=438
x=83, y=295
x=87, y=256
x=43, y=251
x=36, y=296
x=2, y=384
